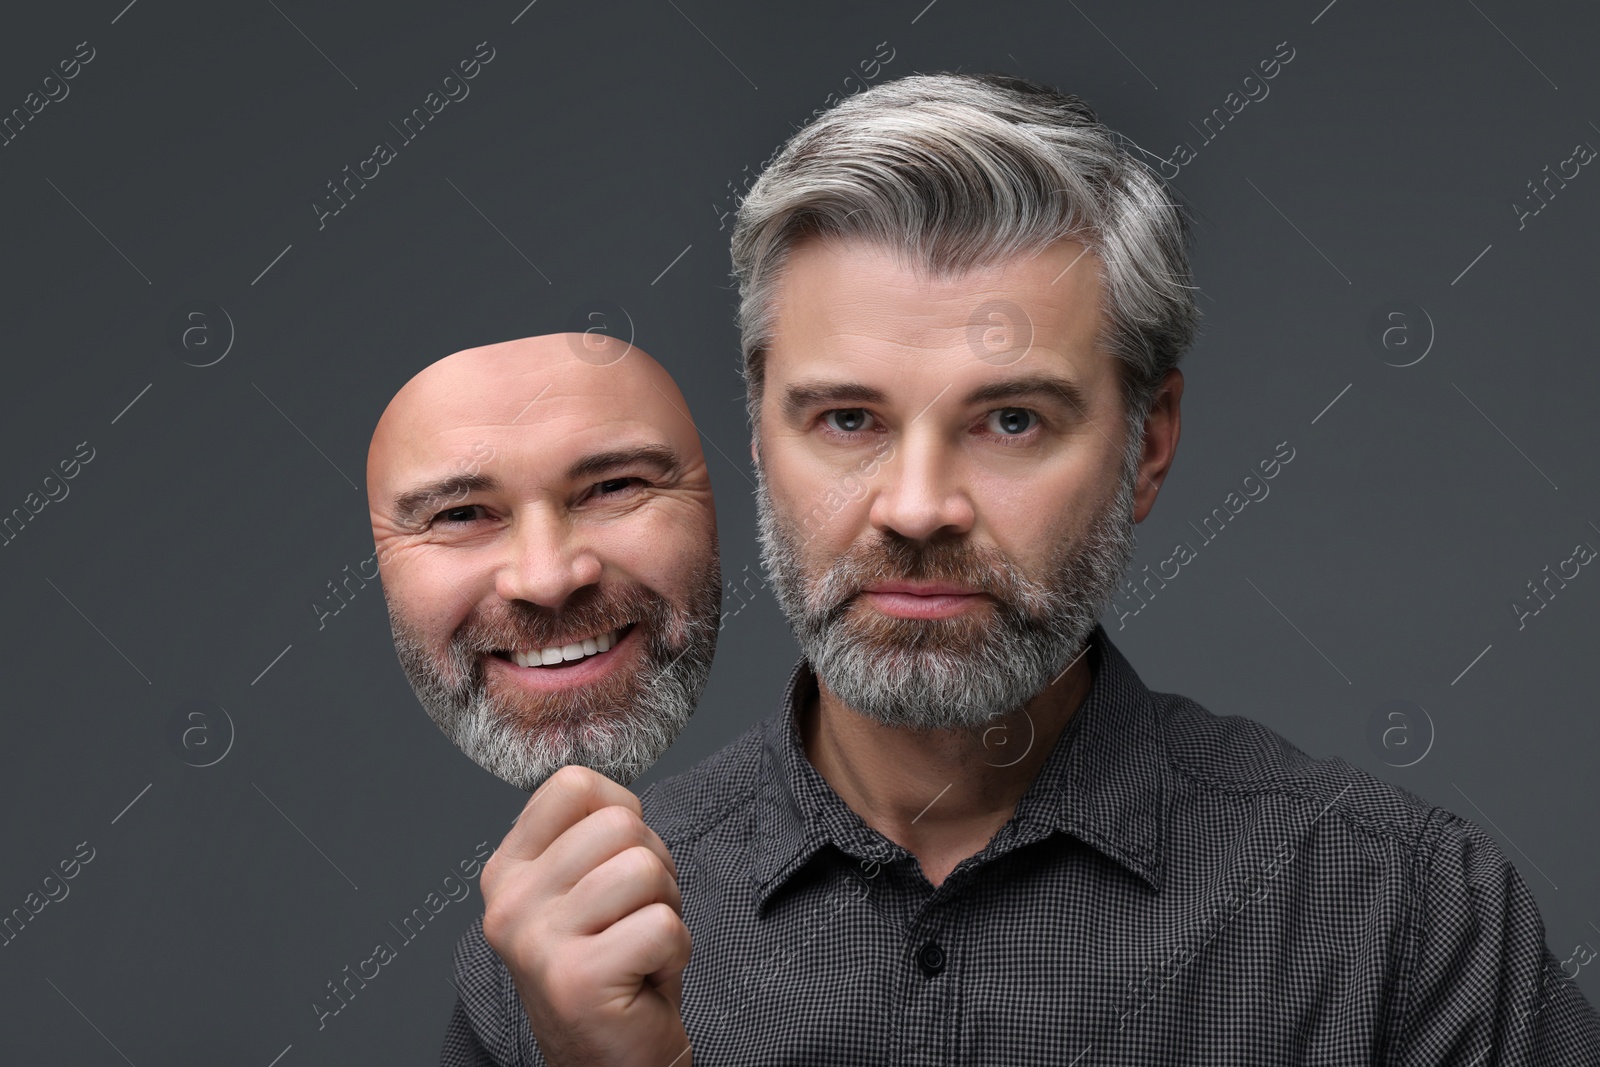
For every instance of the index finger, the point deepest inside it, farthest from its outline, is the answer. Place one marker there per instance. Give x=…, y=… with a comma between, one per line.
x=564, y=800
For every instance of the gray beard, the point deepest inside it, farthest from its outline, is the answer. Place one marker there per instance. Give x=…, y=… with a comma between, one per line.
x=960, y=672
x=619, y=727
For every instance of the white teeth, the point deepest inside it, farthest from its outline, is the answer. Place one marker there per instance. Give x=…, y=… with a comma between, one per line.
x=546, y=657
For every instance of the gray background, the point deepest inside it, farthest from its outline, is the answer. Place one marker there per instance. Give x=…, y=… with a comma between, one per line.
x=596, y=151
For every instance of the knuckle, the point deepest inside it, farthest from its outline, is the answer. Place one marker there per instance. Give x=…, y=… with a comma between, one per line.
x=489, y=877
x=621, y=823
x=662, y=922
x=509, y=924
x=639, y=863
x=497, y=925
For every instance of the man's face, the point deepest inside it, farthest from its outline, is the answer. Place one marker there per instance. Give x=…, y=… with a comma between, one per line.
x=548, y=549
x=944, y=503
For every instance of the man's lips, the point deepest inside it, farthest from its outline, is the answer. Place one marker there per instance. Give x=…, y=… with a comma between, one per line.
x=922, y=588
x=921, y=600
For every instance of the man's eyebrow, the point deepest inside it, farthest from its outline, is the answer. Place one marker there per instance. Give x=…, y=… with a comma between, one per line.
x=419, y=501
x=664, y=459
x=1032, y=385
x=802, y=396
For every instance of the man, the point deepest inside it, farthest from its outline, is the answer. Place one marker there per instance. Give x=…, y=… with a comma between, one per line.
x=970, y=834
x=548, y=549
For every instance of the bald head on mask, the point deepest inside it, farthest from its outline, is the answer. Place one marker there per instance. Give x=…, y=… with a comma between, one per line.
x=547, y=545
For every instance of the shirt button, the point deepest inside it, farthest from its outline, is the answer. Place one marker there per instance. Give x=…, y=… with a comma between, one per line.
x=931, y=959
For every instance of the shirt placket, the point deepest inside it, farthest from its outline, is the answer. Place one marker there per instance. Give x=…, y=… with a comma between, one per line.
x=930, y=970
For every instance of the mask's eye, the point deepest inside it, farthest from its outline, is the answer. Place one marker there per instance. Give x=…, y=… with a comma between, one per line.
x=617, y=486
x=847, y=420
x=1012, y=422
x=456, y=515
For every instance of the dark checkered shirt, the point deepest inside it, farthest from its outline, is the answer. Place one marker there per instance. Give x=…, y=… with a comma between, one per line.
x=1174, y=888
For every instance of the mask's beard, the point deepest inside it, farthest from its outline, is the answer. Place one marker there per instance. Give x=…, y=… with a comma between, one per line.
x=963, y=671
x=618, y=726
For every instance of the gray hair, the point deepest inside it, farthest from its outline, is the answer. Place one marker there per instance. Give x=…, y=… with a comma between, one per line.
x=960, y=171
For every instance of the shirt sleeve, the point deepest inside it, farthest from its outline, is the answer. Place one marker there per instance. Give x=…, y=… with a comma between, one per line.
x=489, y=1027
x=461, y=1046
x=1481, y=987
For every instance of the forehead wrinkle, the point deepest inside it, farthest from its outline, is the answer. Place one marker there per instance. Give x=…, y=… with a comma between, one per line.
x=503, y=387
x=607, y=423
x=843, y=319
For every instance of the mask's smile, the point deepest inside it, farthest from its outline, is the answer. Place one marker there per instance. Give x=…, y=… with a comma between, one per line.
x=578, y=662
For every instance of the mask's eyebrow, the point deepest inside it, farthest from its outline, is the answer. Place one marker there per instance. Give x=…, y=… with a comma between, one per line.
x=663, y=459
x=423, y=500
x=801, y=397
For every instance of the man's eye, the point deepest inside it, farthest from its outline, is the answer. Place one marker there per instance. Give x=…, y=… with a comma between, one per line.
x=616, y=486
x=847, y=420
x=464, y=513
x=1012, y=422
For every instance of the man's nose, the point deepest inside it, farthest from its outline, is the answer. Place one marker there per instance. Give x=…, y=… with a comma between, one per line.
x=546, y=561
x=922, y=488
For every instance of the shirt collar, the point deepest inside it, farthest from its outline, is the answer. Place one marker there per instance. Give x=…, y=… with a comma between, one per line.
x=1104, y=783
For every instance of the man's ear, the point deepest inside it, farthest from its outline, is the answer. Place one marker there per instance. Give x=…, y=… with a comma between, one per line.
x=1161, y=429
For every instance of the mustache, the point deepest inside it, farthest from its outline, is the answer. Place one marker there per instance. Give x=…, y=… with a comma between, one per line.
x=892, y=556
x=587, y=612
